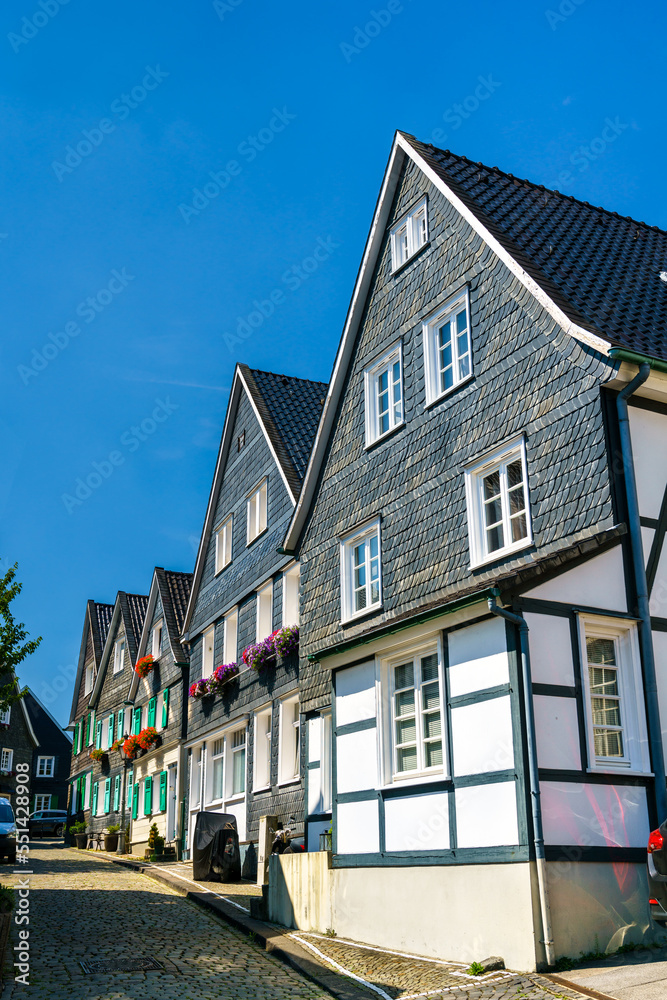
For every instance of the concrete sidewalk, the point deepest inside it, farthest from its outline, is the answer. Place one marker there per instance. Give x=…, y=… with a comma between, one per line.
x=636, y=975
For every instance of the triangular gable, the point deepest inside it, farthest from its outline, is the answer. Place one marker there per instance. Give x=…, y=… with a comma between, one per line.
x=130, y=610
x=173, y=589
x=97, y=620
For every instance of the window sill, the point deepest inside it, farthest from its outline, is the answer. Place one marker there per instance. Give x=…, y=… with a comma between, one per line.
x=234, y=799
x=416, y=778
x=227, y=565
x=624, y=769
x=448, y=392
x=499, y=554
x=383, y=437
x=361, y=614
x=256, y=538
x=262, y=790
x=401, y=267
x=290, y=781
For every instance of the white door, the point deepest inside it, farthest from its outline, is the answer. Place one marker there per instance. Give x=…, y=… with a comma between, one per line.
x=171, y=803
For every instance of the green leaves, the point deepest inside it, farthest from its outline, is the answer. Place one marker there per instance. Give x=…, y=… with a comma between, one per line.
x=13, y=647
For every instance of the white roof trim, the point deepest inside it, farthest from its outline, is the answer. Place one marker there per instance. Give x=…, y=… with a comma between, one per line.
x=106, y=652
x=27, y=720
x=400, y=149
x=63, y=729
x=268, y=440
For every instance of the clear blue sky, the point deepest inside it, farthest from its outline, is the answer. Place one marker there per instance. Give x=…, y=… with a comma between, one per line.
x=181, y=90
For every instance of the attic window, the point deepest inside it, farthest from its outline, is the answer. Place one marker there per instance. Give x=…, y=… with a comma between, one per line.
x=240, y=441
x=409, y=234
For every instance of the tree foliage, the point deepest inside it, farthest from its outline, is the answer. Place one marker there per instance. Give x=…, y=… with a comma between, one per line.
x=13, y=647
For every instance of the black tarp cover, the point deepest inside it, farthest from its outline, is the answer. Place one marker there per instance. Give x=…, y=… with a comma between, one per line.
x=215, y=848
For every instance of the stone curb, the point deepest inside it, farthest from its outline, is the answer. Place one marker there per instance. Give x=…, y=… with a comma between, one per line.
x=272, y=940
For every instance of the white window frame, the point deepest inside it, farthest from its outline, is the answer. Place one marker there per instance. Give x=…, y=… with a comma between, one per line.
x=257, y=512
x=48, y=772
x=88, y=790
x=223, y=544
x=156, y=639
x=42, y=802
x=326, y=783
x=261, y=777
x=289, y=730
x=6, y=759
x=89, y=679
x=196, y=767
x=416, y=234
x=474, y=476
x=208, y=652
x=6, y=716
x=430, y=329
x=231, y=636
x=631, y=691
x=291, y=589
x=372, y=376
x=347, y=545
x=230, y=753
x=214, y=756
x=264, y=611
x=119, y=655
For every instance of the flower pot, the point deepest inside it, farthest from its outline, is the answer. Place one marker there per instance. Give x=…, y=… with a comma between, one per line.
x=159, y=850
x=110, y=842
x=81, y=840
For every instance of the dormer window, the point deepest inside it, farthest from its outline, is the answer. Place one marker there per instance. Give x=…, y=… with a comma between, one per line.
x=257, y=512
x=240, y=441
x=409, y=234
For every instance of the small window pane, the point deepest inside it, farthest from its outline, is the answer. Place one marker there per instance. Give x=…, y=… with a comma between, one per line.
x=404, y=676
x=217, y=778
x=430, y=667
x=431, y=695
x=407, y=759
x=601, y=651
x=519, y=528
x=432, y=725
x=406, y=730
x=405, y=703
x=608, y=743
x=433, y=757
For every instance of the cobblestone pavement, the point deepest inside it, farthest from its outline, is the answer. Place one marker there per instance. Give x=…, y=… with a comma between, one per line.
x=86, y=908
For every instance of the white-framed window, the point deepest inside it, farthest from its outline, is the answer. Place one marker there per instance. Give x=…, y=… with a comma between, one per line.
x=289, y=767
x=361, y=588
x=6, y=759
x=237, y=741
x=262, y=750
x=383, y=390
x=257, y=512
x=498, y=508
x=231, y=636
x=42, y=802
x=217, y=766
x=447, y=348
x=118, y=656
x=195, y=777
x=46, y=767
x=291, y=584
x=264, y=618
x=156, y=645
x=409, y=234
x=87, y=790
x=223, y=545
x=89, y=678
x=615, y=713
x=5, y=716
x=207, y=652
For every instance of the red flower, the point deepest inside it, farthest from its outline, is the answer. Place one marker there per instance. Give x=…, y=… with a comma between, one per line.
x=144, y=666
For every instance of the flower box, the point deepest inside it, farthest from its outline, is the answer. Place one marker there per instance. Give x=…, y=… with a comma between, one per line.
x=97, y=755
x=144, y=666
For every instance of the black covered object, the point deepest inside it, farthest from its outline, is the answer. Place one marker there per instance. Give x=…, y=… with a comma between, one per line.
x=215, y=853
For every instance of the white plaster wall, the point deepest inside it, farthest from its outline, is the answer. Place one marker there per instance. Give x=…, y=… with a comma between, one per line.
x=648, y=431
x=314, y=739
x=482, y=737
x=358, y=828
x=660, y=653
x=550, y=649
x=315, y=801
x=486, y=815
x=355, y=694
x=141, y=768
x=557, y=733
x=477, y=657
x=417, y=822
x=588, y=815
x=658, y=599
x=356, y=761
x=597, y=583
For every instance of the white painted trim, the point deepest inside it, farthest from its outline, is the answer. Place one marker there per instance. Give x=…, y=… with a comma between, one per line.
x=472, y=473
x=431, y=373
x=409, y=217
x=368, y=528
x=386, y=359
x=268, y=440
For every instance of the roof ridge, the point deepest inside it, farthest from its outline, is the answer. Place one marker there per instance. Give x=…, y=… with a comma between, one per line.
x=294, y=378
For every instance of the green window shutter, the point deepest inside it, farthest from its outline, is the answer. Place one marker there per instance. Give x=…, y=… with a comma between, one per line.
x=116, y=793
x=98, y=736
x=163, y=791
x=92, y=728
x=135, y=801
x=151, y=712
x=54, y=801
x=137, y=720
x=121, y=724
x=107, y=795
x=95, y=799
x=75, y=740
x=165, y=707
x=148, y=795
x=87, y=728
x=112, y=719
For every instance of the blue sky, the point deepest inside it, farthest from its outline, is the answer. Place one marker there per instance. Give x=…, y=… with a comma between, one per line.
x=121, y=304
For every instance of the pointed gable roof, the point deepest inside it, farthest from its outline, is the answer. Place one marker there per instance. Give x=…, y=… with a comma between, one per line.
x=288, y=412
x=96, y=623
x=130, y=609
x=174, y=591
x=596, y=273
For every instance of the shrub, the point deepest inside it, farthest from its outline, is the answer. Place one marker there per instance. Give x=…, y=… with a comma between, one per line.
x=114, y=828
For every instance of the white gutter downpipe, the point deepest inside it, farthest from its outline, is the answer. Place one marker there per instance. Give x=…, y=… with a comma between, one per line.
x=533, y=779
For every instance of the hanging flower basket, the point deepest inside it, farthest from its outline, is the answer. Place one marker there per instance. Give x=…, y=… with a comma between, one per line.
x=97, y=755
x=286, y=641
x=144, y=666
x=261, y=656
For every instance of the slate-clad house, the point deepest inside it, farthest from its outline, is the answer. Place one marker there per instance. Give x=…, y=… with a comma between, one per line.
x=156, y=782
x=51, y=760
x=95, y=630
x=19, y=745
x=244, y=744
x=476, y=573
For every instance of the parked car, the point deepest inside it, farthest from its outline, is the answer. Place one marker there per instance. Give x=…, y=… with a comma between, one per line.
x=48, y=822
x=7, y=831
x=657, y=874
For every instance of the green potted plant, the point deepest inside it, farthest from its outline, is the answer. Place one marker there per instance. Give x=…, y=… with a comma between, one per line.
x=78, y=831
x=7, y=903
x=111, y=838
x=155, y=843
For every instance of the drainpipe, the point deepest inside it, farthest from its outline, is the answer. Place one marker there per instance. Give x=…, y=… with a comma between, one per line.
x=533, y=778
x=641, y=590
